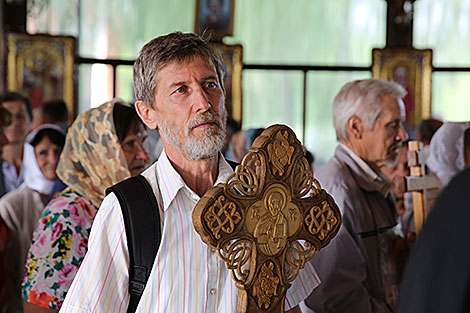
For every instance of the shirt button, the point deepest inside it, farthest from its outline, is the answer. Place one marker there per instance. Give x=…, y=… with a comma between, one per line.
x=212, y=291
x=212, y=250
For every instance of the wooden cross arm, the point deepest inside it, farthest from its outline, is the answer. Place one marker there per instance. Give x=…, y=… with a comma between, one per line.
x=419, y=183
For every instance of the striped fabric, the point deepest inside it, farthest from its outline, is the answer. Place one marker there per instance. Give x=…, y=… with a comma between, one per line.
x=187, y=275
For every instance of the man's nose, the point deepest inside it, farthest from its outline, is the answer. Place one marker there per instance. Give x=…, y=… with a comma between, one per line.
x=53, y=157
x=200, y=101
x=401, y=135
x=141, y=153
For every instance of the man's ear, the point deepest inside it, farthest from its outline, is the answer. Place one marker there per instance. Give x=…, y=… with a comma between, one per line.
x=147, y=114
x=355, y=127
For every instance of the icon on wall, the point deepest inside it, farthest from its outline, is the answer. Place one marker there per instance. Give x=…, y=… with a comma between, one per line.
x=215, y=17
x=42, y=67
x=412, y=69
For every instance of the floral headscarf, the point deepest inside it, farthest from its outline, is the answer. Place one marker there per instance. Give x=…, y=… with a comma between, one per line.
x=446, y=156
x=92, y=159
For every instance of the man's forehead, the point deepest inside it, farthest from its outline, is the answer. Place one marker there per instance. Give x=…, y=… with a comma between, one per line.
x=176, y=67
x=392, y=105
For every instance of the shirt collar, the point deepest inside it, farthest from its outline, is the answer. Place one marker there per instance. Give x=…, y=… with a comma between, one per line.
x=378, y=179
x=170, y=181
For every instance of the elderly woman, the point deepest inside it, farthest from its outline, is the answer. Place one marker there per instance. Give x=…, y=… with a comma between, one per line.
x=21, y=208
x=103, y=147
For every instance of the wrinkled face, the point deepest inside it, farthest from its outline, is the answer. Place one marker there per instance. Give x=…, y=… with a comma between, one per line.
x=134, y=151
x=190, y=109
x=20, y=122
x=383, y=141
x=47, y=155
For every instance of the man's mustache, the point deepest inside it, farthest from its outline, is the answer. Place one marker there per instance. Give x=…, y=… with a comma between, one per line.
x=396, y=146
x=206, y=117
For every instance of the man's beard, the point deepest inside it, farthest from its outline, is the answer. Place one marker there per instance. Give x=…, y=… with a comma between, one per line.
x=193, y=148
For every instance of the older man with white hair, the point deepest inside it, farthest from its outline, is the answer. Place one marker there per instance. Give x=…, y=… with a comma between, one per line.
x=357, y=271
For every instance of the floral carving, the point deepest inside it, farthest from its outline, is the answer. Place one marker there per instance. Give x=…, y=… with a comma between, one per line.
x=222, y=216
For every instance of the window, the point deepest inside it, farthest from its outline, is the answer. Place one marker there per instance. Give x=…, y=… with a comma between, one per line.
x=444, y=26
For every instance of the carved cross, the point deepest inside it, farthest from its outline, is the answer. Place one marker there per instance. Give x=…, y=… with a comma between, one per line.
x=419, y=183
x=267, y=219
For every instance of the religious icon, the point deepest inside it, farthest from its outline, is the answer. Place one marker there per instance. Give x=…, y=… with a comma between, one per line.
x=272, y=227
x=43, y=67
x=400, y=75
x=215, y=17
x=412, y=69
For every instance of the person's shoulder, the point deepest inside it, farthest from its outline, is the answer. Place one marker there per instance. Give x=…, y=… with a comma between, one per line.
x=109, y=206
x=337, y=180
x=12, y=207
x=69, y=194
x=461, y=181
x=69, y=201
x=334, y=174
x=15, y=197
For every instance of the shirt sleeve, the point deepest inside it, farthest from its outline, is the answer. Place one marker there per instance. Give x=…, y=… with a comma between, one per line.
x=101, y=284
x=302, y=286
x=343, y=271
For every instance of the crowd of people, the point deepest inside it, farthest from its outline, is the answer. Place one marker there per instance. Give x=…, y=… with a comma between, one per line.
x=63, y=241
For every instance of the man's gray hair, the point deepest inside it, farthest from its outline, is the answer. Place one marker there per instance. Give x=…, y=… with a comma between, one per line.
x=364, y=99
x=163, y=50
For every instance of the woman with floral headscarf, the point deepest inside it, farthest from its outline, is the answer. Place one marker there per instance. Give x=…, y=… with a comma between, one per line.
x=103, y=147
x=21, y=208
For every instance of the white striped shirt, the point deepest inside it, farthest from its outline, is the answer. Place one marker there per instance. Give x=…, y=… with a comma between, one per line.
x=187, y=275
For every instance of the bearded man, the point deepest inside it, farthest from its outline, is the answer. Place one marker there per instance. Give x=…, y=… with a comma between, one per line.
x=178, y=83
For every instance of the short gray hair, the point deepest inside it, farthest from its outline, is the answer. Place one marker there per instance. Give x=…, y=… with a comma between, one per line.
x=362, y=98
x=160, y=51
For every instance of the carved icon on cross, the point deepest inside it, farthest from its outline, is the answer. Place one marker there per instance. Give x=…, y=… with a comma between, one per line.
x=267, y=219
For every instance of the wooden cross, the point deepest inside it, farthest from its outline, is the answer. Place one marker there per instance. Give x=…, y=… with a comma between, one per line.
x=267, y=220
x=419, y=183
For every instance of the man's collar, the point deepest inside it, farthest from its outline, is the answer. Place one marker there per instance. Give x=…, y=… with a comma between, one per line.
x=378, y=179
x=170, y=181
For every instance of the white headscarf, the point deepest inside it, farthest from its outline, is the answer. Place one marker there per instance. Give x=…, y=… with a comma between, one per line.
x=33, y=177
x=446, y=156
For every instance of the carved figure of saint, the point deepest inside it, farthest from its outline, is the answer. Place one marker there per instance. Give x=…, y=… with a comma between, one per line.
x=272, y=229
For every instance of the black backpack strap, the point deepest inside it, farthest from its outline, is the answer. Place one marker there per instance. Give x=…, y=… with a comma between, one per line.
x=142, y=222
